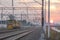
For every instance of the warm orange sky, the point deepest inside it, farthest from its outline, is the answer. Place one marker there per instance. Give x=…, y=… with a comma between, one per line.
x=55, y=8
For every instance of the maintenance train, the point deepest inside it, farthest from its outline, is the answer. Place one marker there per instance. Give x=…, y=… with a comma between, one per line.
x=13, y=24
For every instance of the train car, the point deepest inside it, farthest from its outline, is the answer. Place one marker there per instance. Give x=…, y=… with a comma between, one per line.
x=13, y=24
x=3, y=24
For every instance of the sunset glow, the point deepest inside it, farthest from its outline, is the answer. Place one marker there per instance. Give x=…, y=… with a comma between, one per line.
x=54, y=10
x=54, y=1
x=51, y=21
x=53, y=7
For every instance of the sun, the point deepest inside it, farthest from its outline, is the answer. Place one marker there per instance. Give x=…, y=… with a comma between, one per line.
x=53, y=7
x=51, y=21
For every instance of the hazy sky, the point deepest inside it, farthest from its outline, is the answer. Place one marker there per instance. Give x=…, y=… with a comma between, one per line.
x=55, y=7
x=55, y=10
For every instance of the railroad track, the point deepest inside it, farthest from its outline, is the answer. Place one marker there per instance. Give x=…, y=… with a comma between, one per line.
x=6, y=31
x=14, y=35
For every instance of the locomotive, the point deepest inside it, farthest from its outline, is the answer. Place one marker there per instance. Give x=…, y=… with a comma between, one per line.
x=12, y=23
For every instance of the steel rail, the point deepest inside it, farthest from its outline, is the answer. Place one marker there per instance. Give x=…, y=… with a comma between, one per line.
x=14, y=34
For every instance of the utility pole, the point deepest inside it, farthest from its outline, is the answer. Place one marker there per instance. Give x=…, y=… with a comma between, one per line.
x=42, y=14
x=45, y=16
x=1, y=10
x=13, y=7
x=48, y=18
x=1, y=14
x=43, y=22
